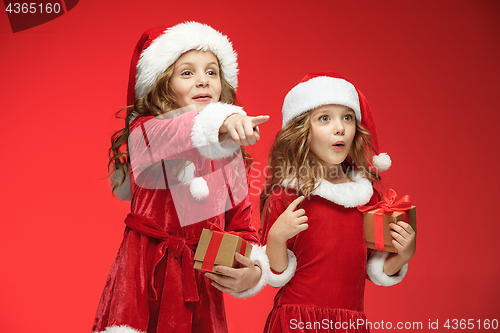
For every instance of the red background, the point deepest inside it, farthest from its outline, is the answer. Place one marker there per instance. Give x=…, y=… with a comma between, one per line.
x=429, y=70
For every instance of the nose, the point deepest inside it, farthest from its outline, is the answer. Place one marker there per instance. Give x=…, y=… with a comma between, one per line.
x=201, y=80
x=338, y=127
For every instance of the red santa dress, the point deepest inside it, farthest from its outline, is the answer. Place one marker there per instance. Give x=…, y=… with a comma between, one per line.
x=152, y=285
x=327, y=262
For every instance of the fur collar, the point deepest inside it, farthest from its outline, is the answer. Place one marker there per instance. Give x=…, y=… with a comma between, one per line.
x=350, y=194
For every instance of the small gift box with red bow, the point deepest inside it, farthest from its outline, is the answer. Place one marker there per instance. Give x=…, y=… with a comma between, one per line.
x=376, y=220
x=218, y=248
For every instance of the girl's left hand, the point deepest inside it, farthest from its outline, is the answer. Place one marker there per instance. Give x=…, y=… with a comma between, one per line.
x=404, y=240
x=238, y=279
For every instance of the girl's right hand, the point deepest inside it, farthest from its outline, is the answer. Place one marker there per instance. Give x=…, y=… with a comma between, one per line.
x=289, y=223
x=244, y=130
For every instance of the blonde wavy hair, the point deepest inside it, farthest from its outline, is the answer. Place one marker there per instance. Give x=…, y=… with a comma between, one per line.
x=159, y=100
x=291, y=160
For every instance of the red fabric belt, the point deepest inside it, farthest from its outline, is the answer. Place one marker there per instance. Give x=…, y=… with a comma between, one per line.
x=178, y=249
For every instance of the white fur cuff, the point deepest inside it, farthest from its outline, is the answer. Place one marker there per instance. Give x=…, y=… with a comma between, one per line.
x=259, y=258
x=375, y=270
x=205, y=131
x=120, y=329
x=279, y=280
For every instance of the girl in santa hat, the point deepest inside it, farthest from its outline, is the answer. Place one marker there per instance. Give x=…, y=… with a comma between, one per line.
x=179, y=160
x=320, y=161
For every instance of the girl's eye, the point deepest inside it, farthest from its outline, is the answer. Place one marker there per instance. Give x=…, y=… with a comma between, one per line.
x=324, y=118
x=212, y=73
x=186, y=73
x=348, y=117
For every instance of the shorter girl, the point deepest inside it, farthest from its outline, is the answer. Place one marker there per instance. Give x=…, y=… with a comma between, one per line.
x=320, y=160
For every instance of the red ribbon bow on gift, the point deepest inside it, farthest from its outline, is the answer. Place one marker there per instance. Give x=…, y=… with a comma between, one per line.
x=386, y=206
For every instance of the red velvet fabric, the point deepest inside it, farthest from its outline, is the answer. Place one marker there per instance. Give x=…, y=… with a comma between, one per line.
x=331, y=256
x=152, y=285
x=293, y=318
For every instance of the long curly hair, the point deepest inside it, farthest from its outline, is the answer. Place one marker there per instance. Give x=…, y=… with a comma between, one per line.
x=291, y=160
x=159, y=100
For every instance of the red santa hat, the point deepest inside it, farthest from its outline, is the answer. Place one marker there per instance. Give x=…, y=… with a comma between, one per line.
x=160, y=47
x=323, y=88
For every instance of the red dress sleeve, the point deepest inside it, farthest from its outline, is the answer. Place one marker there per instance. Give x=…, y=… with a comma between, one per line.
x=273, y=209
x=239, y=219
x=153, y=139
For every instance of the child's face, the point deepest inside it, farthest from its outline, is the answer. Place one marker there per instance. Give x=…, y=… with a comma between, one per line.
x=196, y=79
x=332, y=132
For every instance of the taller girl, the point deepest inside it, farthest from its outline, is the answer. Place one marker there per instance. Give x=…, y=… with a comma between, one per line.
x=175, y=161
x=323, y=153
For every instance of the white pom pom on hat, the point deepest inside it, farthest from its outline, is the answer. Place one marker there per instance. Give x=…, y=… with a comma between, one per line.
x=197, y=185
x=199, y=188
x=323, y=88
x=382, y=162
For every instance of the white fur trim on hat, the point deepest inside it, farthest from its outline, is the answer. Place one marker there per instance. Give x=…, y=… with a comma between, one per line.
x=318, y=91
x=123, y=191
x=205, y=131
x=120, y=329
x=382, y=162
x=279, y=280
x=175, y=41
x=259, y=258
x=375, y=270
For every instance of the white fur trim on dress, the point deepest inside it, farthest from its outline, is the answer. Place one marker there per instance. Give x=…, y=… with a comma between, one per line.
x=123, y=191
x=350, y=194
x=375, y=270
x=382, y=162
x=175, y=41
x=318, y=91
x=279, y=280
x=259, y=258
x=205, y=131
x=120, y=329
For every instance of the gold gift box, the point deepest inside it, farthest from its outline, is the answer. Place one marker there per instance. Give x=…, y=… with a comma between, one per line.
x=392, y=218
x=229, y=245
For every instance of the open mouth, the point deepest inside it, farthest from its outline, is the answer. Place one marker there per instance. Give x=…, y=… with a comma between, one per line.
x=202, y=97
x=339, y=145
